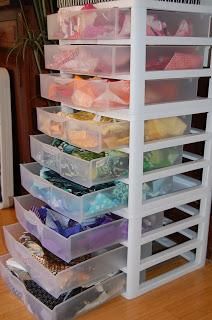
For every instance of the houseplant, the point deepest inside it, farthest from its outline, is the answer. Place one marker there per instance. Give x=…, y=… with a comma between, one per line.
x=34, y=39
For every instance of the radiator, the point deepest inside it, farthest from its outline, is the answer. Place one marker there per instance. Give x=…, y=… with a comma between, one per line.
x=6, y=145
x=68, y=3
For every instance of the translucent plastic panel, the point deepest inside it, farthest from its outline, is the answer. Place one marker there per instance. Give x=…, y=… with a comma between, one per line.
x=91, y=60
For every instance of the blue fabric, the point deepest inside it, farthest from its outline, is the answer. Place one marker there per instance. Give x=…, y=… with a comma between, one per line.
x=67, y=227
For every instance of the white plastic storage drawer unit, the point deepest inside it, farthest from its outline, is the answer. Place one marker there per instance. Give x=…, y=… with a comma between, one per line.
x=69, y=309
x=98, y=266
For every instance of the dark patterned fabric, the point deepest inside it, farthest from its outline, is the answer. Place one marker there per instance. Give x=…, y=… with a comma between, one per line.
x=46, y=298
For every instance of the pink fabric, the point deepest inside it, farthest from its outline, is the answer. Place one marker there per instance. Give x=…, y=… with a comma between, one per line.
x=156, y=63
x=184, y=61
x=97, y=24
x=88, y=6
x=155, y=26
x=185, y=29
x=179, y=61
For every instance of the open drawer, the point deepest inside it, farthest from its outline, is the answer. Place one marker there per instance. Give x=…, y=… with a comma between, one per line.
x=89, y=24
x=75, y=245
x=174, y=57
x=115, y=23
x=114, y=60
x=76, y=129
x=89, y=94
x=69, y=309
x=100, y=169
x=90, y=60
x=91, y=136
x=77, y=207
x=102, y=95
x=114, y=165
x=177, y=24
x=93, y=204
x=98, y=266
x=81, y=243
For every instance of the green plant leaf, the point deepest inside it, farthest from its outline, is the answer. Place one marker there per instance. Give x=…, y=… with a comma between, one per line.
x=51, y=6
x=18, y=53
x=24, y=48
x=37, y=15
x=39, y=47
x=44, y=9
x=12, y=50
x=37, y=61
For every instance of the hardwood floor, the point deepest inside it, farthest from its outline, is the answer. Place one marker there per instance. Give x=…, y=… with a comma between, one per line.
x=188, y=298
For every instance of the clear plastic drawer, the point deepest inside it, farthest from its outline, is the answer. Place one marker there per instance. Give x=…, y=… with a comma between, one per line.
x=101, y=95
x=174, y=57
x=114, y=165
x=76, y=245
x=177, y=24
x=81, y=208
x=79, y=244
x=96, y=138
x=115, y=23
x=93, y=135
x=158, y=129
x=78, y=208
x=89, y=94
x=89, y=24
x=113, y=60
x=90, y=60
x=100, y=265
x=172, y=90
x=69, y=309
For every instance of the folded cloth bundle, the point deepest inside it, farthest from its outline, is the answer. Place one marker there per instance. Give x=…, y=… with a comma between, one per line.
x=118, y=162
x=112, y=164
x=90, y=92
x=70, y=186
x=67, y=227
x=88, y=59
x=97, y=203
x=45, y=257
x=178, y=61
